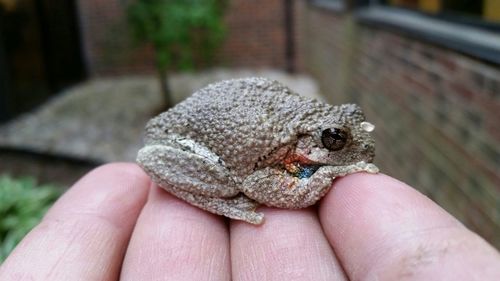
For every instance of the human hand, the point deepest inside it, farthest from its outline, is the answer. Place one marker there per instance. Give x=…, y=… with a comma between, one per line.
x=114, y=224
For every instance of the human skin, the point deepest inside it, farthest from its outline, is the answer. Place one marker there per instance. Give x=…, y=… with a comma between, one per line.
x=115, y=224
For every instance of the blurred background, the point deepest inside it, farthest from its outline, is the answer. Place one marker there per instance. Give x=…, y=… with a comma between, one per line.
x=79, y=79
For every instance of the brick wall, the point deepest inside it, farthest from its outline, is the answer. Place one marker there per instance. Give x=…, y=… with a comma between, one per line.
x=436, y=111
x=255, y=37
x=255, y=34
x=107, y=44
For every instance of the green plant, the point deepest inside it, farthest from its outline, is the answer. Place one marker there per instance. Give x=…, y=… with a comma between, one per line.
x=182, y=32
x=22, y=205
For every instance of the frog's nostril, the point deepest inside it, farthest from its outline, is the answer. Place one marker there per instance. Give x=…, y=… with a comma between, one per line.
x=368, y=152
x=368, y=147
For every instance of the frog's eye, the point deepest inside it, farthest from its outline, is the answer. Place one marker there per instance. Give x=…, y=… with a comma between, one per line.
x=334, y=138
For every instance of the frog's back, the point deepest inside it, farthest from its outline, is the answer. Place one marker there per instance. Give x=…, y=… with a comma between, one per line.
x=240, y=120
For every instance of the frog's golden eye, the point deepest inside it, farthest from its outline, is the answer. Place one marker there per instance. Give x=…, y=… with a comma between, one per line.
x=334, y=139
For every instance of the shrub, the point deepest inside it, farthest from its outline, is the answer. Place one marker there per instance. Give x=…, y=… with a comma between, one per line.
x=182, y=32
x=22, y=205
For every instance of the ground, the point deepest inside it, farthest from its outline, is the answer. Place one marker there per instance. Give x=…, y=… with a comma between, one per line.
x=102, y=120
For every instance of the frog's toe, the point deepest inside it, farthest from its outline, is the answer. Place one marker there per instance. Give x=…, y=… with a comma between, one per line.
x=242, y=202
x=258, y=218
x=253, y=218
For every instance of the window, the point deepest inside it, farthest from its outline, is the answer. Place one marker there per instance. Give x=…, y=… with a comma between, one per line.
x=480, y=13
x=336, y=5
x=468, y=26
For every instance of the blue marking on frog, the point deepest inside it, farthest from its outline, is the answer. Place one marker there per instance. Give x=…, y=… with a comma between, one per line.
x=307, y=171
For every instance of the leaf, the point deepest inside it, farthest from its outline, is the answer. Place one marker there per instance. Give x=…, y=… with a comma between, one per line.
x=181, y=31
x=22, y=205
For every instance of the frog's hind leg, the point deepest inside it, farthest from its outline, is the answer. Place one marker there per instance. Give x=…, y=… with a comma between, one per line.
x=188, y=166
x=195, y=174
x=239, y=207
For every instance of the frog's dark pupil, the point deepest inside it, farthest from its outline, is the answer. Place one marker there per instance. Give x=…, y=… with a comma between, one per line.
x=334, y=139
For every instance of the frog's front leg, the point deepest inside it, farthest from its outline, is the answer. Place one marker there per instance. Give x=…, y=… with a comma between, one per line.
x=278, y=188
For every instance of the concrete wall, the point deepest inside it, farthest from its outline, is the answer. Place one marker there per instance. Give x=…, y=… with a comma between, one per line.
x=437, y=112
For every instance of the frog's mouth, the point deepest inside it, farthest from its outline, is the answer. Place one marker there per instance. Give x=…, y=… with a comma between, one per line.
x=305, y=169
x=300, y=166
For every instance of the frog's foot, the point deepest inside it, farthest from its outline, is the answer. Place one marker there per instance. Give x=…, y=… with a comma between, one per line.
x=239, y=207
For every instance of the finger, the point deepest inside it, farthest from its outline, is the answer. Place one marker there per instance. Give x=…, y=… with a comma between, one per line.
x=85, y=234
x=382, y=229
x=290, y=245
x=176, y=241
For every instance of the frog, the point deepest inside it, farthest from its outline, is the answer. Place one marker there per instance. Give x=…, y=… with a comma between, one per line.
x=237, y=144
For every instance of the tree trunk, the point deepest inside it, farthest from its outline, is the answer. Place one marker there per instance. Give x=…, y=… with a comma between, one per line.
x=165, y=88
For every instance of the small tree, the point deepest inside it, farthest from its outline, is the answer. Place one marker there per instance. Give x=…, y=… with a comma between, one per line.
x=184, y=33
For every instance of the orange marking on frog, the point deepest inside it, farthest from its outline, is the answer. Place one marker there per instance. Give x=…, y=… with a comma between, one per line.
x=293, y=161
x=292, y=168
x=297, y=158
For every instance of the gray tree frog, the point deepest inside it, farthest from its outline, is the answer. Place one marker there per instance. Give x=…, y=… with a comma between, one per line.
x=239, y=143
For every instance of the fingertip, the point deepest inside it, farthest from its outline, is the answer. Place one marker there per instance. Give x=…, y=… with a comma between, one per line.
x=289, y=245
x=373, y=205
x=380, y=197
x=110, y=187
x=126, y=172
x=88, y=228
x=379, y=226
x=175, y=239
